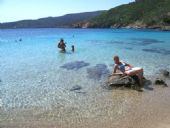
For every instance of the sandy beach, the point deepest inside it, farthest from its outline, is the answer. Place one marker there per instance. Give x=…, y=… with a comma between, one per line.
x=111, y=109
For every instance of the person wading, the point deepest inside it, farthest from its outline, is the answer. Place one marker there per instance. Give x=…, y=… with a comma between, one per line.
x=62, y=45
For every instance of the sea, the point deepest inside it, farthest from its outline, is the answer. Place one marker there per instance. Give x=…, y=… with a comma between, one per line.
x=38, y=82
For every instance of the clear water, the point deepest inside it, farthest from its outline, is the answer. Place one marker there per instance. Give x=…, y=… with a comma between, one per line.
x=32, y=77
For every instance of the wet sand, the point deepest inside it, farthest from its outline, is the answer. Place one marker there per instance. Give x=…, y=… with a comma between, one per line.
x=98, y=108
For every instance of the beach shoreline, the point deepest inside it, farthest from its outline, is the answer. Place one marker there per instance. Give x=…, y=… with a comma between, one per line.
x=148, y=110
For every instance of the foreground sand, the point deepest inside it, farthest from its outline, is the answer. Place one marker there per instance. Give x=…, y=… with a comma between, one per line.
x=112, y=109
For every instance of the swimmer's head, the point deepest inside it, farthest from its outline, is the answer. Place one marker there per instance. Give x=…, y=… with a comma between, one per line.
x=61, y=40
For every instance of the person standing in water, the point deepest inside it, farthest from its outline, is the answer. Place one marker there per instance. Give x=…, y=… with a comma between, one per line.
x=72, y=48
x=62, y=45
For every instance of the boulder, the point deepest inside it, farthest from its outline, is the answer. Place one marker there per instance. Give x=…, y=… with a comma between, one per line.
x=126, y=81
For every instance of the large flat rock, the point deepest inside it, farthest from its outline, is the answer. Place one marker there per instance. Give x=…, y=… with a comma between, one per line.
x=125, y=81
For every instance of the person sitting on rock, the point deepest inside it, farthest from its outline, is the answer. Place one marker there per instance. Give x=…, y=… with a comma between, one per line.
x=127, y=69
x=62, y=45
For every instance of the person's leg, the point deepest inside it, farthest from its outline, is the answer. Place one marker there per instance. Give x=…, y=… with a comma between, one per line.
x=140, y=76
x=138, y=72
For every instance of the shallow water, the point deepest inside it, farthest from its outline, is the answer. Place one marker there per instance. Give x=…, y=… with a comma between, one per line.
x=37, y=80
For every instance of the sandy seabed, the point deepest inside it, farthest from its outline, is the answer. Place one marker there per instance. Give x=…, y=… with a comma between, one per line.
x=108, y=109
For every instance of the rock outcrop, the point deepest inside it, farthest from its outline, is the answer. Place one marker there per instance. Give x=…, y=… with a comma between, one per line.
x=118, y=81
x=141, y=14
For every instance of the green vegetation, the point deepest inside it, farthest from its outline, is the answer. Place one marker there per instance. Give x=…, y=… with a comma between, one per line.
x=148, y=12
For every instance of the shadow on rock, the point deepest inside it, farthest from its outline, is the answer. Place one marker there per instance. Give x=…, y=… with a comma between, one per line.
x=76, y=65
x=98, y=71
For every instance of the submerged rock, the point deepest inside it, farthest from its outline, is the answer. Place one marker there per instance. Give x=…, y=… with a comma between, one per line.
x=159, y=81
x=76, y=88
x=126, y=81
x=145, y=41
x=75, y=65
x=128, y=48
x=158, y=50
x=98, y=71
x=80, y=92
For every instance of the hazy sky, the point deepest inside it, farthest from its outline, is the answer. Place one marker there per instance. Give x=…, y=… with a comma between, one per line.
x=13, y=10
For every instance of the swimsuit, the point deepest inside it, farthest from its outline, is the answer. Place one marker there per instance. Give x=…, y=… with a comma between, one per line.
x=122, y=68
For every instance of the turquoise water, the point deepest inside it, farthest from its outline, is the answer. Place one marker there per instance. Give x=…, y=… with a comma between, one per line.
x=31, y=74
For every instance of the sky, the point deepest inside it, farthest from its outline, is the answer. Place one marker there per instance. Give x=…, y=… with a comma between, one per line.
x=14, y=10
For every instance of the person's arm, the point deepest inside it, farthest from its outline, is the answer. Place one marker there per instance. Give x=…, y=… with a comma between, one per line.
x=115, y=69
x=116, y=74
x=59, y=45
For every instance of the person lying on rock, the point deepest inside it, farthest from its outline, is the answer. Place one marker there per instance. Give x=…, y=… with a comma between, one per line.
x=127, y=69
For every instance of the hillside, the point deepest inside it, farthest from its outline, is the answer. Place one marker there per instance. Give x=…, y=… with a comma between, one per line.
x=52, y=22
x=143, y=14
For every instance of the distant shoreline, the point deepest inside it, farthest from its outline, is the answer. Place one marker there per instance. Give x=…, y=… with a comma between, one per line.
x=125, y=28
